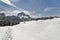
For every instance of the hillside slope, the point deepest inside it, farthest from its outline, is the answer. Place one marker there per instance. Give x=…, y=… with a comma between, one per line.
x=36, y=30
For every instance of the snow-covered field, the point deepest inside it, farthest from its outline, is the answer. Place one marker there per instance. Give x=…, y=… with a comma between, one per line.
x=35, y=30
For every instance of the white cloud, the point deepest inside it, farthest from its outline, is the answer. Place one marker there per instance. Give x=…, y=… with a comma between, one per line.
x=11, y=4
x=15, y=0
x=26, y=12
x=16, y=11
x=36, y=16
x=7, y=2
x=48, y=9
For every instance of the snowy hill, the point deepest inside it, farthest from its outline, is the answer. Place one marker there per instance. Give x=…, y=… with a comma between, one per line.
x=35, y=30
x=30, y=30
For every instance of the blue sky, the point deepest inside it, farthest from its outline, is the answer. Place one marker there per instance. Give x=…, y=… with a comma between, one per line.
x=43, y=7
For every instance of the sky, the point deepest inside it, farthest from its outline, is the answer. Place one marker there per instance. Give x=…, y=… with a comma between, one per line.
x=43, y=7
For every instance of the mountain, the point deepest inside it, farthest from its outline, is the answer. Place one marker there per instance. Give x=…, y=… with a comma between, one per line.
x=24, y=16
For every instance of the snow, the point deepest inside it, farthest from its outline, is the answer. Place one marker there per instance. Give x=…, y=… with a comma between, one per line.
x=35, y=30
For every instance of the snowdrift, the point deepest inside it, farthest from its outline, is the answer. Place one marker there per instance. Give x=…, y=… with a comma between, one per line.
x=35, y=30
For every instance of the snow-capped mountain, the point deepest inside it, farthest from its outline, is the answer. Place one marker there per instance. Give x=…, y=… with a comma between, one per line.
x=24, y=16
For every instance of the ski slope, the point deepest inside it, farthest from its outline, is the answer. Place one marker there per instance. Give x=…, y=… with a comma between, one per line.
x=35, y=30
